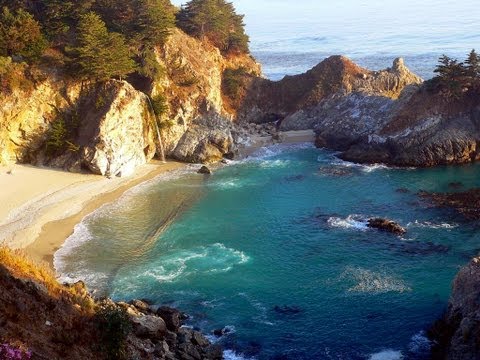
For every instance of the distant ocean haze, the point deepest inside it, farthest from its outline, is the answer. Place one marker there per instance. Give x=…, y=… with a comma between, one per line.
x=290, y=37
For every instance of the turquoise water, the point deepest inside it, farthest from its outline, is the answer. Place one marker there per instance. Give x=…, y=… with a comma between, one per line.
x=275, y=248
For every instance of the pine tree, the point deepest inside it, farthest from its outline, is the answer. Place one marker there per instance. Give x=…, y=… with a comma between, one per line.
x=154, y=21
x=99, y=54
x=473, y=65
x=451, y=77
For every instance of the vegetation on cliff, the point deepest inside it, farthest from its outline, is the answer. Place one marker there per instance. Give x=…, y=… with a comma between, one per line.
x=455, y=79
x=217, y=21
x=42, y=319
x=103, y=39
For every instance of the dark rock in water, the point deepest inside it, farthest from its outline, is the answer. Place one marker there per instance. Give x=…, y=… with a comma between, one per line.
x=221, y=332
x=287, y=310
x=455, y=185
x=229, y=156
x=172, y=317
x=466, y=203
x=295, y=178
x=402, y=191
x=205, y=170
x=386, y=225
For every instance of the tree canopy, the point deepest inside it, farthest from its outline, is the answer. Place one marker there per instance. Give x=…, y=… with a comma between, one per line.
x=20, y=34
x=217, y=21
x=100, y=54
x=101, y=37
x=456, y=79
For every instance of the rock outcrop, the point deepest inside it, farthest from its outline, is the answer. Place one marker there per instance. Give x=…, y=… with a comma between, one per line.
x=456, y=336
x=298, y=101
x=386, y=225
x=207, y=140
x=53, y=321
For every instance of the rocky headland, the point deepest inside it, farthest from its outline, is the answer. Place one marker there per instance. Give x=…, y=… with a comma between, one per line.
x=52, y=321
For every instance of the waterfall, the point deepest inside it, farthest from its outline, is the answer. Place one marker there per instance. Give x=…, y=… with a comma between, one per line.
x=160, y=142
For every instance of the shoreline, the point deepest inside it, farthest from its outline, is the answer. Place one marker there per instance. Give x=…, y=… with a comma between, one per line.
x=58, y=201
x=39, y=217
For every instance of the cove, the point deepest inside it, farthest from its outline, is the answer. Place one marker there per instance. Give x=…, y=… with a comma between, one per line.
x=275, y=248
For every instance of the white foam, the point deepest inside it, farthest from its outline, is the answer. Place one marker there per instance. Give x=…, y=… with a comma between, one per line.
x=211, y=259
x=277, y=149
x=387, y=355
x=232, y=355
x=430, y=225
x=350, y=222
x=372, y=282
x=420, y=344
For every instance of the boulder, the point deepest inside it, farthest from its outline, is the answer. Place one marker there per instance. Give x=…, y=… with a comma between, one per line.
x=199, y=339
x=205, y=170
x=207, y=140
x=141, y=306
x=149, y=326
x=386, y=225
x=172, y=317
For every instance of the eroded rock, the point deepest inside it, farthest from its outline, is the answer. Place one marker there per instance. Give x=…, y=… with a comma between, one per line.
x=386, y=225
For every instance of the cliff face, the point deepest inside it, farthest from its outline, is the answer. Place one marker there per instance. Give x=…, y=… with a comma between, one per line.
x=457, y=335
x=26, y=115
x=192, y=86
x=114, y=126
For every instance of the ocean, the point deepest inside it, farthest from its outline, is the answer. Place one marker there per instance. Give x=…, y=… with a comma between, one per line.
x=290, y=37
x=275, y=248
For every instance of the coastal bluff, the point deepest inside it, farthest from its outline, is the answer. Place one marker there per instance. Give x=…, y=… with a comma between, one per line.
x=111, y=128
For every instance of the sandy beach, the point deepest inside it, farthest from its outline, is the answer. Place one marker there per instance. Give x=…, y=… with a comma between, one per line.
x=40, y=206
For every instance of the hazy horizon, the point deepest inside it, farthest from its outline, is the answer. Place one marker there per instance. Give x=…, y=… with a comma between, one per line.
x=291, y=38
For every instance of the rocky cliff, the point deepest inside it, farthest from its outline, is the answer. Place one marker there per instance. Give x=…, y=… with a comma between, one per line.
x=110, y=129
x=457, y=335
x=42, y=319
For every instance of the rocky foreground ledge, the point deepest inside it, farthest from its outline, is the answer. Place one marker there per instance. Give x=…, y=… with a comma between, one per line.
x=42, y=319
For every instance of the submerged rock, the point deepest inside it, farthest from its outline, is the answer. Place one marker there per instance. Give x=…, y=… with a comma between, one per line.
x=467, y=203
x=386, y=225
x=287, y=310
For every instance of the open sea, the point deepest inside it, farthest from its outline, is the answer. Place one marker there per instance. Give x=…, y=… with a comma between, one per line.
x=275, y=248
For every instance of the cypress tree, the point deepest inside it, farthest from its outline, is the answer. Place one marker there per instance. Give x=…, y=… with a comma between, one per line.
x=217, y=21
x=99, y=54
x=473, y=65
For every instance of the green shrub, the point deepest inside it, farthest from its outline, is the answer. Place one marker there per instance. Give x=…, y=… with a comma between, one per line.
x=13, y=76
x=114, y=326
x=62, y=133
x=232, y=81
